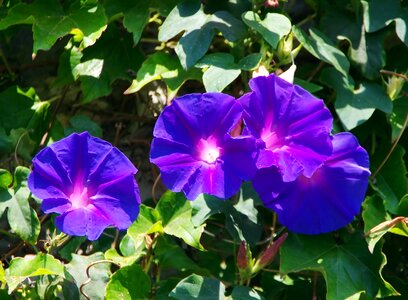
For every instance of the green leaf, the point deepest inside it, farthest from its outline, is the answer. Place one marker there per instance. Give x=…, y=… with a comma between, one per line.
x=198, y=287
x=321, y=47
x=50, y=22
x=244, y=293
x=22, y=268
x=309, y=86
x=175, y=212
x=398, y=116
x=128, y=283
x=99, y=274
x=3, y=280
x=378, y=14
x=123, y=261
x=355, y=106
x=373, y=214
x=391, y=182
x=250, y=62
x=147, y=222
x=199, y=29
x=366, y=51
x=170, y=256
x=272, y=28
x=23, y=145
x=348, y=267
x=136, y=18
x=81, y=123
x=155, y=67
x=22, y=218
x=241, y=219
x=109, y=59
x=221, y=72
x=15, y=107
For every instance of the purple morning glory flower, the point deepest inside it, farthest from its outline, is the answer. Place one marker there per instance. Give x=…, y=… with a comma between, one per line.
x=88, y=182
x=194, y=149
x=329, y=199
x=291, y=125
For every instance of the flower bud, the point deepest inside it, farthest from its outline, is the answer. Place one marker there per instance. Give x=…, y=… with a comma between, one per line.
x=269, y=254
x=394, y=86
x=272, y=3
x=284, y=49
x=244, y=262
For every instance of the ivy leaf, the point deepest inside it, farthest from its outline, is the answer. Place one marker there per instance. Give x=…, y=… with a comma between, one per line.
x=355, y=106
x=81, y=123
x=321, y=47
x=198, y=287
x=272, y=28
x=22, y=268
x=50, y=22
x=348, y=268
x=99, y=274
x=22, y=218
x=175, y=212
x=199, y=29
x=378, y=14
x=124, y=281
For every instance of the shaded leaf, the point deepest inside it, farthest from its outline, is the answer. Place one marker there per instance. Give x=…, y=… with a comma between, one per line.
x=198, y=287
x=355, y=106
x=99, y=274
x=348, y=268
x=378, y=14
x=199, y=29
x=391, y=182
x=321, y=47
x=244, y=293
x=50, y=22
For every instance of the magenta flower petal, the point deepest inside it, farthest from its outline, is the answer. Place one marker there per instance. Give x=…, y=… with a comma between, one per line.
x=292, y=126
x=89, y=182
x=194, y=150
x=329, y=199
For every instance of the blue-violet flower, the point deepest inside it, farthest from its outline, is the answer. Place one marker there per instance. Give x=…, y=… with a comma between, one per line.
x=196, y=149
x=88, y=182
x=326, y=201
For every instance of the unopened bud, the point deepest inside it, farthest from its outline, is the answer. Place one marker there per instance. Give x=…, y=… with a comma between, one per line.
x=272, y=3
x=394, y=86
x=242, y=260
x=284, y=49
x=269, y=254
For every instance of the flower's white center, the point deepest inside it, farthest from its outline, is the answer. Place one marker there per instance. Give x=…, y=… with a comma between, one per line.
x=79, y=198
x=208, y=150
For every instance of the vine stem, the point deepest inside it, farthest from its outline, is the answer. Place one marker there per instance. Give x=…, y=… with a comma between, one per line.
x=391, y=149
